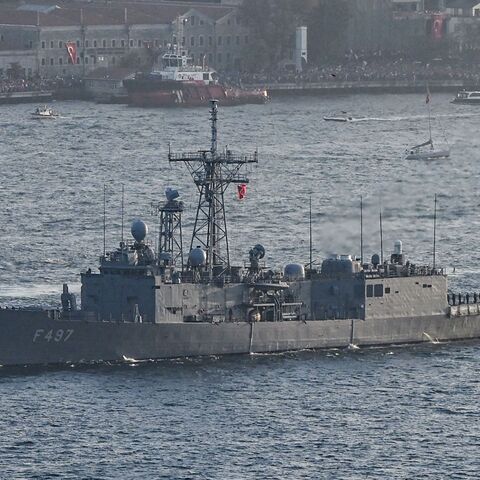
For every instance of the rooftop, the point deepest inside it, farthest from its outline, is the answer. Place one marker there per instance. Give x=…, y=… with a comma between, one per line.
x=81, y=13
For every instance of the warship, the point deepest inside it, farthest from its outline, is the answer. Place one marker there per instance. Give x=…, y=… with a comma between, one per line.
x=149, y=302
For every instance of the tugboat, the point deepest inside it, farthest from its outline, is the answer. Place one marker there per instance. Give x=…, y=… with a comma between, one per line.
x=44, y=112
x=179, y=83
x=148, y=303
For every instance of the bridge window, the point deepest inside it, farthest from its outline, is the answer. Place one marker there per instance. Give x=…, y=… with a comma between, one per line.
x=378, y=290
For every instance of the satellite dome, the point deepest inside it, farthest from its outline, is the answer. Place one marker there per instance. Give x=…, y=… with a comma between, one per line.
x=294, y=271
x=197, y=257
x=139, y=230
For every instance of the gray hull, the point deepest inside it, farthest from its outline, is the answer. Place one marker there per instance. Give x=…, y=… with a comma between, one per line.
x=32, y=338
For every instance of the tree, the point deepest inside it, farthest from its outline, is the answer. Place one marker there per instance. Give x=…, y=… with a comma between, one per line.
x=15, y=71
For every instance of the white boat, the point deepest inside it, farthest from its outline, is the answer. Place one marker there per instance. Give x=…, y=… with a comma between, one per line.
x=468, y=97
x=426, y=150
x=44, y=112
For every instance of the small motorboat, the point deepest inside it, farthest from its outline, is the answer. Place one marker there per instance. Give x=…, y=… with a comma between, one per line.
x=338, y=119
x=44, y=112
x=467, y=97
x=426, y=151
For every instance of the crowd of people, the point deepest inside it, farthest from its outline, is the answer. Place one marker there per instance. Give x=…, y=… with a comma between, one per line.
x=24, y=85
x=36, y=84
x=369, y=69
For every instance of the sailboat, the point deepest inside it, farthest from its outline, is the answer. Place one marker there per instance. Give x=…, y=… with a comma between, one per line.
x=426, y=150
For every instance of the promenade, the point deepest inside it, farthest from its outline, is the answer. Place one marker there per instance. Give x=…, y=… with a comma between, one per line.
x=362, y=86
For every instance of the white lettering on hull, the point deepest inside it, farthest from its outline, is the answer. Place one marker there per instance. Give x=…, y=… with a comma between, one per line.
x=52, y=335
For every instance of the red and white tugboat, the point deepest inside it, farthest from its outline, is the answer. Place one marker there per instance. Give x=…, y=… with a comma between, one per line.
x=180, y=83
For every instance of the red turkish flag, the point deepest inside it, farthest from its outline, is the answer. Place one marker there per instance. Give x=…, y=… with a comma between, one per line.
x=72, y=51
x=242, y=191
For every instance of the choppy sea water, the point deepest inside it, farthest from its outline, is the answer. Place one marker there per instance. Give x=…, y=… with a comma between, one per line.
x=401, y=413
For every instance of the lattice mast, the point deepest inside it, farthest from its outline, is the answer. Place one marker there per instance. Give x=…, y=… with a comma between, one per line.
x=170, y=238
x=212, y=173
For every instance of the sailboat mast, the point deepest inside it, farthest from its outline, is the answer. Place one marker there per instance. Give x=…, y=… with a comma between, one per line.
x=429, y=115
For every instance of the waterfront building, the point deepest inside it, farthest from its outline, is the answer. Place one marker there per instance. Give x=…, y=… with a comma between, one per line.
x=74, y=40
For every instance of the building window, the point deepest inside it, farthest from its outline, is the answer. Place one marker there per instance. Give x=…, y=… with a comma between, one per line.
x=60, y=44
x=51, y=44
x=60, y=61
x=86, y=43
x=201, y=22
x=139, y=43
x=183, y=41
x=94, y=44
x=210, y=41
x=86, y=60
x=219, y=57
x=78, y=60
x=219, y=40
x=30, y=44
x=246, y=39
x=78, y=43
x=114, y=60
x=122, y=43
x=113, y=43
x=387, y=289
x=131, y=43
x=200, y=40
x=192, y=20
x=192, y=41
x=378, y=290
x=51, y=61
x=228, y=57
x=193, y=58
x=229, y=22
x=156, y=42
x=210, y=58
x=237, y=40
x=43, y=44
x=228, y=40
x=43, y=61
x=104, y=43
x=369, y=290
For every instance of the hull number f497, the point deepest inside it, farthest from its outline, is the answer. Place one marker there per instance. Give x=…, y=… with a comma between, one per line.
x=52, y=335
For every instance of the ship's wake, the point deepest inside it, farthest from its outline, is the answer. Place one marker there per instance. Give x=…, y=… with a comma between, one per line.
x=435, y=340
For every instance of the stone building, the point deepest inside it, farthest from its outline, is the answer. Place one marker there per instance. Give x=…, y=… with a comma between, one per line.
x=119, y=35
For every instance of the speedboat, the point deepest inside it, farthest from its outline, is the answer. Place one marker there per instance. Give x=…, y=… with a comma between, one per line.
x=467, y=97
x=44, y=112
x=426, y=151
x=338, y=119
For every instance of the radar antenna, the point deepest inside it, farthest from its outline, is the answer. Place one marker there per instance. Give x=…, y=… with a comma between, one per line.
x=212, y=173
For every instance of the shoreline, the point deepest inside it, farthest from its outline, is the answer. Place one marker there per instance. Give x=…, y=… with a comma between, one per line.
x=374, y=86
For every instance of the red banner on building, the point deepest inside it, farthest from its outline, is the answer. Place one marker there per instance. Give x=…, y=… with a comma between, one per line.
x=438, y=25
x=72, y=51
